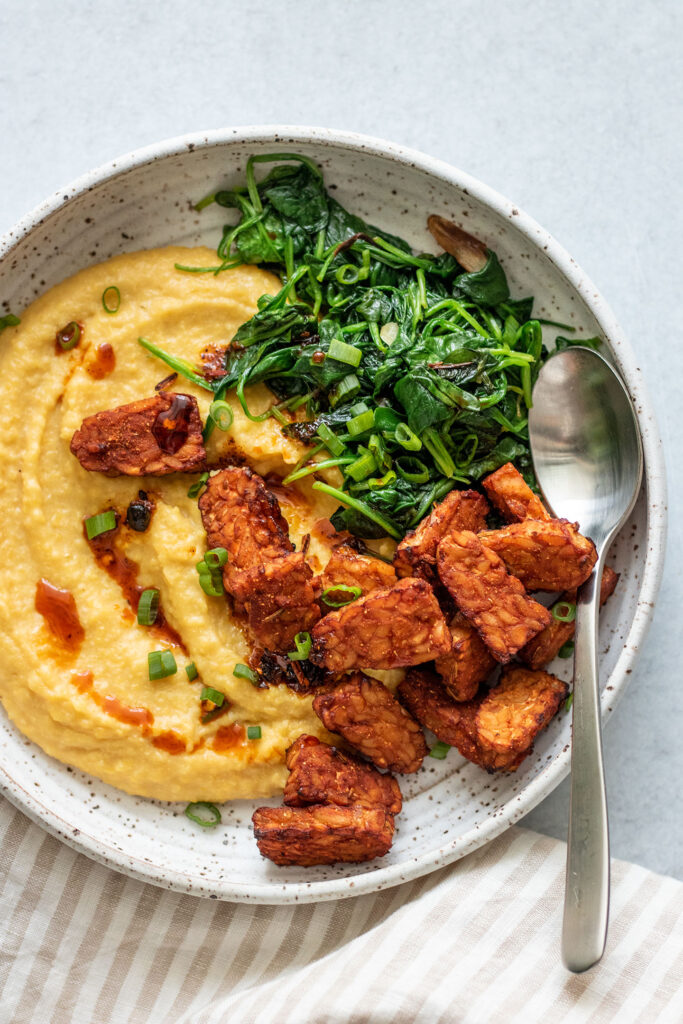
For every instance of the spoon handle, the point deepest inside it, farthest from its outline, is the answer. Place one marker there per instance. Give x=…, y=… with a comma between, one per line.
x=586, y=901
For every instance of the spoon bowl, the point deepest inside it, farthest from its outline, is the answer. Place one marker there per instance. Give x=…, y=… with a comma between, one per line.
x=587, y=454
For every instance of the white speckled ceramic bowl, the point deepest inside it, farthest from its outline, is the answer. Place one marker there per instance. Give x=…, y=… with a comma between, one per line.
x=451, y=807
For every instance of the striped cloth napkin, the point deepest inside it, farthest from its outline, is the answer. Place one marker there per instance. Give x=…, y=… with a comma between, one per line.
x=474, y=943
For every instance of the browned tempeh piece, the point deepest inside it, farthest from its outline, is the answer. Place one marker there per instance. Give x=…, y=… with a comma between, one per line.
x=240, y=514
x=322, y=834
x=470, y=253
x=546, y=645
x=322, y=774
x=280, y=598
x=459, y=510
x=511, y=495
x=550, y=555
x=352, y=569
x=493, y=600
x=152, y=437
x=497, y=730
x=468, y=664
x=402, y=625
x=372, y=721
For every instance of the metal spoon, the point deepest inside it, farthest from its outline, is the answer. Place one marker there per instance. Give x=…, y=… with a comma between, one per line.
x=588, y=458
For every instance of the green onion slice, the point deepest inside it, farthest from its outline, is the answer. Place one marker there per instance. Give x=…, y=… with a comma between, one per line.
x=569, y=701
x=221, y=414
x=344, y=353
x=205, y=809
x=191, y=670
x=210, y=580
x=407, y=438
x=362, y=467
x=359, y=424
x=215, y=696
x=9, y=320
x=437, y=449
x=382, y=481
x=302, y=642
x=566, y=650
x=253, y=732
x=101, y=523
x=111, y=299
x=345, y=390
x=148, y=607
x=330, y=440
x=198, y=486
x=439, y=750
x=341, y=588
x=564, y=611
x=216, y=558
x=244, y=672
x=161, y=664
x=412, y=469
x=69, y=336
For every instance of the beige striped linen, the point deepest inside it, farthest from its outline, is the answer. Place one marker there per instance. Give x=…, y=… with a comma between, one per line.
x=474, y=943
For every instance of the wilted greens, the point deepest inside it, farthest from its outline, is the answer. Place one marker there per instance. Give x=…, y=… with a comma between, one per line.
x=408, y=373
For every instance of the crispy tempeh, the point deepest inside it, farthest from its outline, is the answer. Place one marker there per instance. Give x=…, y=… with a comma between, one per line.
x=493, y=600
x=511, y=495
x=322, y=834
x=459, y=510
x=546, y=645
x=280, y=599
x=497, y=730
x=469, y=662
x=152, y=437
x=402, y=625
x=372, y=721
x=322, y=774
x=550, y=555
x=352, y=569
x=240, y=514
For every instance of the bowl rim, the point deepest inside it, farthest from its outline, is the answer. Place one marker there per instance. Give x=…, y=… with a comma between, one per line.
x=654, y=477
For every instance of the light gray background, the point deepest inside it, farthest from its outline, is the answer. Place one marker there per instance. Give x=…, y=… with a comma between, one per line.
x=573, y=111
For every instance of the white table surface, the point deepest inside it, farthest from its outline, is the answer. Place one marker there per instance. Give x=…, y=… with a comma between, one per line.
x=573, y=111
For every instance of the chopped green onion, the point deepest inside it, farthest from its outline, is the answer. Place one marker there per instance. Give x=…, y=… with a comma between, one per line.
x=345, y=390
x=358, y=408
x=412, y=469
x=362, y=467
x=564, y=611
x=101, y=523
x=216, y=558
x=359, y=424
x=69, y=336
x=344, y=353
x=569, y=701
x=302, y=642
x=314, y=467
x=161, y=664
x=438, y=451
x=244, y=672
x=199, y=819
x=439, y=750
x=382, y=481
x=148, y=607
x=210, y=582
x=341, y=588
x=111, y=299
x=566, y=650
x=191, y=670
x=330, y=440
x=407, y=438
x=253, y=732
x=215, y=696
x=9, y=320
x=359, y=506
x=198, y=486
x=221, y=414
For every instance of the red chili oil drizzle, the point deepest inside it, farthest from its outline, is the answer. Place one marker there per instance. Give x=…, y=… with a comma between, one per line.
x=103, y=363
x=170, y=742
x=59, y=610
x=172, y=427
x=213, y=361
x=108, y=555
x=65, y=334
x=142, y=717
x=228, y=737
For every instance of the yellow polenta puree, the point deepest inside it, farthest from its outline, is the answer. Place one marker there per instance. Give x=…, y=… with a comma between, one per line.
x=91, y=704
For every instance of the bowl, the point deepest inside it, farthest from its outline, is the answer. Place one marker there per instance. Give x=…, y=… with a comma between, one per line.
x=452, y=807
